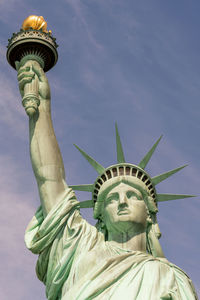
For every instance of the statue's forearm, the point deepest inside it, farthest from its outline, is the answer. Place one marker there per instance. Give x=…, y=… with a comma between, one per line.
x=44, y=150
x=46, y=157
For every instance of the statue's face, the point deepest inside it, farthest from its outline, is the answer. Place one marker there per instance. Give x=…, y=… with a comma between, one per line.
x=124, y=209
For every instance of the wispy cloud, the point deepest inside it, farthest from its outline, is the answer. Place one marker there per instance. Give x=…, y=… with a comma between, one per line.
x=79, y=9
x=12, y=112
x=16, y=211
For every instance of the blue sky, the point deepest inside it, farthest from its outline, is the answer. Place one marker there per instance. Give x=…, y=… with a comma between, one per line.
x=134, y=62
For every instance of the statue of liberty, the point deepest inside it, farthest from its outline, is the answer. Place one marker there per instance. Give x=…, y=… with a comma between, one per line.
x=120, y=257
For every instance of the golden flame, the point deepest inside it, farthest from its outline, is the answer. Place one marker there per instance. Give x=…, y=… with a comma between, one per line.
x=35, y=22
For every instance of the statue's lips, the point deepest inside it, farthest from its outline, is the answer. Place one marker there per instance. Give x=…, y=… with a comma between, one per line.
x=123, y=212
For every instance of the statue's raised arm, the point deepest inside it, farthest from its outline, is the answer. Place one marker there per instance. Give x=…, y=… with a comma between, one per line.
x=44, y=150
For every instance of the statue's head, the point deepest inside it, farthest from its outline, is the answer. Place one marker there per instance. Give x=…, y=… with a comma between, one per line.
x=126, y=203
x=124, y=195
x=128, y=174
x=122, y=207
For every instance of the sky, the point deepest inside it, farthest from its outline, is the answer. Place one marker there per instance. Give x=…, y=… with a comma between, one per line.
x=136, y=63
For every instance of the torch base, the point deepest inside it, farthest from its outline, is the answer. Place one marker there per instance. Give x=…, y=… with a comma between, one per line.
x=32, y=42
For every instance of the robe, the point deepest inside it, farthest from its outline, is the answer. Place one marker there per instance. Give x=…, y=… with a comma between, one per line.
x=76, y=263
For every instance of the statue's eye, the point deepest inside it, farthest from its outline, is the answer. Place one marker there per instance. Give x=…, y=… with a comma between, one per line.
x=131, y=194
x=112, y=197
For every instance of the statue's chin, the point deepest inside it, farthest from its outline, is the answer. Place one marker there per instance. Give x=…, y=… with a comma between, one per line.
x=124, y=224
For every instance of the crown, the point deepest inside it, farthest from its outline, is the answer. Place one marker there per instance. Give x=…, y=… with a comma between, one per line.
x=123, y=169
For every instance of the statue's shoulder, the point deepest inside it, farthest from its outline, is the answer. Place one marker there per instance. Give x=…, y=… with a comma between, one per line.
x=178, y=282
x=163, y=263
x=173, y=266
x=161, y=267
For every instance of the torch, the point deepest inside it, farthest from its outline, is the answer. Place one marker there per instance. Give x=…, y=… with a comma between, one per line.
x=32, y=43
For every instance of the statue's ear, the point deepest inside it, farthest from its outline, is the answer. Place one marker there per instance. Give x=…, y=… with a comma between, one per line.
x=151, y=205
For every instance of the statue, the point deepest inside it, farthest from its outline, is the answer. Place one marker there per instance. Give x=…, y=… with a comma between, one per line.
x=119, y=258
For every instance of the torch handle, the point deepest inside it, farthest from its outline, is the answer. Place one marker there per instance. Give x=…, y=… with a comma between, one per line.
x=31, y=100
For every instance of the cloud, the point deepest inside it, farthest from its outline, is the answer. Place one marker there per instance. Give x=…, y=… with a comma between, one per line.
x=8, y=11
x=17, y=266
x=12, y=112
x=79, y=9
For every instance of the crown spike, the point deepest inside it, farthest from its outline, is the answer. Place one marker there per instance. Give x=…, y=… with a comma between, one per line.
x=82, y=187
x=161, y=177
x=120, y=153
x=168, y=197
x=99, y=168
x=148, y=156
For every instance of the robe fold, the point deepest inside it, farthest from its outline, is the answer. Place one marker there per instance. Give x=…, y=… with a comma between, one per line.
x=76, y=263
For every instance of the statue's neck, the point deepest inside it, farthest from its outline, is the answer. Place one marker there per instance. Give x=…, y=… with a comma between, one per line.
x=128, y=241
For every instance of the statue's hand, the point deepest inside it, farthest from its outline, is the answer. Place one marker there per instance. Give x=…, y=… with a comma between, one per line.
x=30, y=71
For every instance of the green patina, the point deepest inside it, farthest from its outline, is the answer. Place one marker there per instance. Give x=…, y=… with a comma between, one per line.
x=121, y=256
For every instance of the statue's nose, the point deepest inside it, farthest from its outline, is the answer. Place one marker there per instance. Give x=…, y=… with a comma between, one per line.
x=123, y=200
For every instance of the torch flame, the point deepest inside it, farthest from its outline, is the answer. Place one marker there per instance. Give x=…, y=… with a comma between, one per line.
x=35, y=22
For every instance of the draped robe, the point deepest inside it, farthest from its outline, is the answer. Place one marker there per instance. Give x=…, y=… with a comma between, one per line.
x=76, y=263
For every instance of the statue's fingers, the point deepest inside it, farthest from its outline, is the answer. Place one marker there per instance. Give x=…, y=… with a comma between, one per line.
x=25, y=75
x=24, y=69
x=24, y=81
